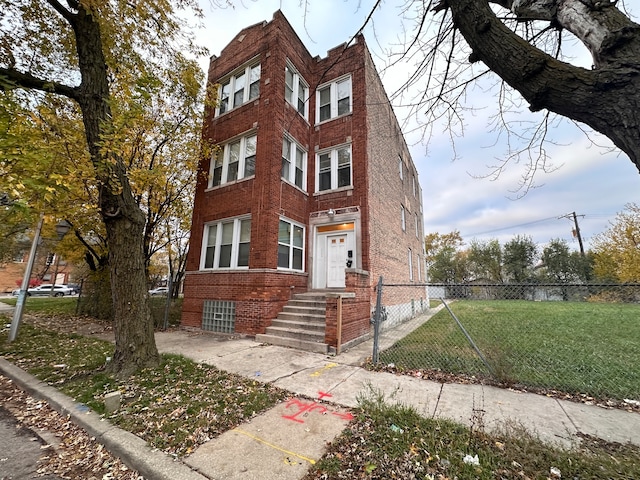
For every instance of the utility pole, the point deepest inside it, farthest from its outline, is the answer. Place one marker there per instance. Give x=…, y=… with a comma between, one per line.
x=576, y=231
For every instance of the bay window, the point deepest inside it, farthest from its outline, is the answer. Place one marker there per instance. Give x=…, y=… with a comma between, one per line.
x=290, y=245
x=294, y=163
x=239, y=89
x=233, y=161
x=227, y=244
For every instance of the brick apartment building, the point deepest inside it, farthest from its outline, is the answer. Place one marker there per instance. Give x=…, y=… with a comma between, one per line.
x=310, y=196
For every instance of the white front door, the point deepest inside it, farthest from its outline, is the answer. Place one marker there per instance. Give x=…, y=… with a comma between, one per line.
x=336, y=260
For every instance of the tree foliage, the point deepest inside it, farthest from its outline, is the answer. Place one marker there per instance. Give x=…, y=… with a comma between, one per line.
x=485, y=260
x=83, y=51
x=563, y=266
x=519, y=258
x=617, y=249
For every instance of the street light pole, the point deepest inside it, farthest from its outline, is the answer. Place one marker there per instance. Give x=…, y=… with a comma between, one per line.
x=17, y=314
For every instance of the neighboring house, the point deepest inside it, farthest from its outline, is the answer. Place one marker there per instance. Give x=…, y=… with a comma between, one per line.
x=312, y=191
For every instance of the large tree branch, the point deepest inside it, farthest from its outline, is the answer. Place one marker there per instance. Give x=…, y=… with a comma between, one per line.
x=608, y=34
x=605, y=98
x=28, y=81
x=64, y=12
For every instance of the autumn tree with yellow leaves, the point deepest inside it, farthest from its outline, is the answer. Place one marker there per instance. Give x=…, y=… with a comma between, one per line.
x=121, y=75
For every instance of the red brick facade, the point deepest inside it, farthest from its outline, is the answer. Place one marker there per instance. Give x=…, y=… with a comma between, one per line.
x=365, y=216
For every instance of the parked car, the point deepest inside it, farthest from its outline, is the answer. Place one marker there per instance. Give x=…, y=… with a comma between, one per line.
x=159, y=291
x=44, y=290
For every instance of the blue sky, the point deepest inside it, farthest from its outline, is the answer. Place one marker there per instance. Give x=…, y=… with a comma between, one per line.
x=593, y=182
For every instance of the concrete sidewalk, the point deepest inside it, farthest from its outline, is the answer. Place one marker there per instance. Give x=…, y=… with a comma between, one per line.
x=307, y=374
x=285, y=441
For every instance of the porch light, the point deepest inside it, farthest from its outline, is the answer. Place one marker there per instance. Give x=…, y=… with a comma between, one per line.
x=331, y=212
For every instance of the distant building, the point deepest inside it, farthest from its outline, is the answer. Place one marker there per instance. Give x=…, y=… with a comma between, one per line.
x=311, y=191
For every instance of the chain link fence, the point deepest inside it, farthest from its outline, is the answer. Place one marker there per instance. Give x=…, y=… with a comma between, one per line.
x=581, y=340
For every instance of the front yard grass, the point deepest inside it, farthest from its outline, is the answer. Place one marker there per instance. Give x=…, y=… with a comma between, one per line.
x=574, y=347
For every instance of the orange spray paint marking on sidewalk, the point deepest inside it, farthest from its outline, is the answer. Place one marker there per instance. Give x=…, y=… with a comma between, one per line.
x=305, y=407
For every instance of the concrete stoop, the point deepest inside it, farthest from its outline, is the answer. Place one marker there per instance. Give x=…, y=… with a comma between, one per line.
x=300, y=325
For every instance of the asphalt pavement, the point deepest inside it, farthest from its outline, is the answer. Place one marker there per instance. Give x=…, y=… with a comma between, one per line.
x=290, y=437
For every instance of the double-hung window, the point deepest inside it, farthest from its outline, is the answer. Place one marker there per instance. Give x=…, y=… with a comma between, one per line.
x=403, y=219
x=333, y=169
x=333, y=99
x=296, y=90
x=233, y=161
x=239, y=88
x=294, y=163
x=290, y=245
x=226, y=244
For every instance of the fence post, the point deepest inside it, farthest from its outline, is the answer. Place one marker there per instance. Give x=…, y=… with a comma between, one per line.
x=376, y=322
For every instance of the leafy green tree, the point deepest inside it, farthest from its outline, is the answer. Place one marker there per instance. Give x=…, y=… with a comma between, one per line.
x=485, y=260
x=446, y=263
x=560, y=265
x=519, y=257
x=99, y=46
x=617, y=250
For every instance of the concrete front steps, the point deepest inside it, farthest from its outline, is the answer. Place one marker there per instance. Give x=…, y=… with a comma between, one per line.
x=300, y=325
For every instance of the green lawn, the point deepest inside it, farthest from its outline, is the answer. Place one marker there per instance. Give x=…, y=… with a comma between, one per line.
x=574, y=347
x=67, y=306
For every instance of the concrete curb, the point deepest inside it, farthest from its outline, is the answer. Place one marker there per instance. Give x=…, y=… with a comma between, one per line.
x=132, y=450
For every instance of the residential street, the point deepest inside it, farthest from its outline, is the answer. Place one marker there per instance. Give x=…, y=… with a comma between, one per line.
x=21, y=450
x=68, y=451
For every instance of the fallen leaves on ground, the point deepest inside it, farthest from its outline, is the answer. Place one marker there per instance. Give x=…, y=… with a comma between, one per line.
x=73, y=455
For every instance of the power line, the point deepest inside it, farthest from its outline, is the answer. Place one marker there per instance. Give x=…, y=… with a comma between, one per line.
x=511, y=226
x=600, y=215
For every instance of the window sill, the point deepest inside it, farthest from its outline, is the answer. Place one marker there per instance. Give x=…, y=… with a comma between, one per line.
x=284, y=180
x=323, y=122
x=337, y=190
x=217, y=187
x=255, y=101
x=224, y=270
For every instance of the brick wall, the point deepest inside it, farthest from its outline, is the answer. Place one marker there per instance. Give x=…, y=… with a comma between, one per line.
x=259, y=295
x=355, y=312
x=376, y=142
x=388, y=192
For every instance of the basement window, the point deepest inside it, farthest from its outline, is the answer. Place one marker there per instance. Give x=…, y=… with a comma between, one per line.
x=219, y=316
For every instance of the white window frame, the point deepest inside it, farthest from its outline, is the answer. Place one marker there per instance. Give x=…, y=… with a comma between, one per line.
x=334, y=157
x=400, y=167
x=291, y=246
x=293, y=159
x=414, y=185
x=236, y=241
x=224, y=155
x=417, y=226
x=240, y=80
x=410, y=265
x=418, y=267
x=296, y=94
x=333, y=88
x=403, y=218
